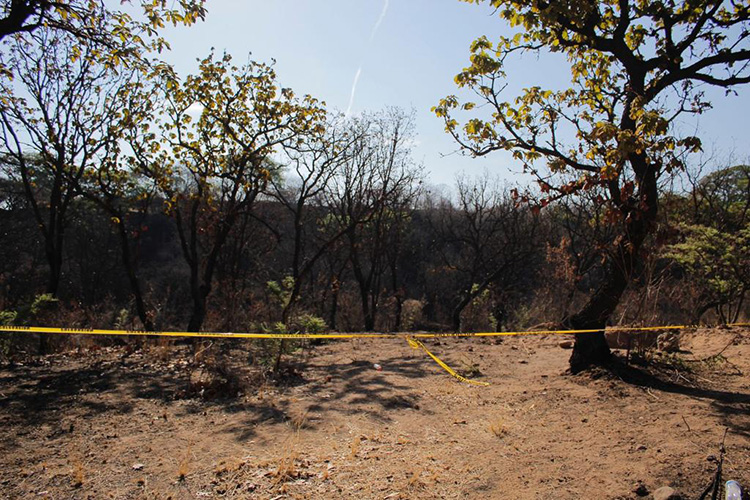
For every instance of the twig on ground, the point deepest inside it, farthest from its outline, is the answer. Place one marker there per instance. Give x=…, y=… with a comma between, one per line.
x=648, y=391
x=688, y=425
x=683, y=377
x=704, y=359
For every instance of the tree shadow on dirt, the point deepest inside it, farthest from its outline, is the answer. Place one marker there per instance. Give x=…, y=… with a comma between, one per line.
x=33, y=396
x=733, y=406
x=355, y=388
x=366, y=389
x=349, y=389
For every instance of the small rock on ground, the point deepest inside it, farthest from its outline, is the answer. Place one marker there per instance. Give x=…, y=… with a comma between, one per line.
x=641, y=490
x=666, y=493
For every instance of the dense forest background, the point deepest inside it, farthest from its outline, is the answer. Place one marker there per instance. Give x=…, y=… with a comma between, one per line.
x=134, y=197
x=376, y=249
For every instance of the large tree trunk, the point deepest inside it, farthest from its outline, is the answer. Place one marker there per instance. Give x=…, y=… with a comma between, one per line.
x=135, y=286
x=200, y=295
x=54, y=256
x=55, y=270
x=456, y=313
x=639, y=216
x=369, y=315
x=591, y=348
x=197, y=316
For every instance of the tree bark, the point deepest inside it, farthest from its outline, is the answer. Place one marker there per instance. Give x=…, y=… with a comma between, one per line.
x=591, y=349
x=199, y=309
x=456, y=314
x=135, y=285
x=54, y=259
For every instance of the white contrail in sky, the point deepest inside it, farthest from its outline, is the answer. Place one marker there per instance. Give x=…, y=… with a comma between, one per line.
x=380, y=20
x=359, y=70
x=354, y=89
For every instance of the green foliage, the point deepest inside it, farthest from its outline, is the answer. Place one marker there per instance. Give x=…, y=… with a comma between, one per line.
x=28, y=313
x=243, y=117
x=718, y=264
x=123, y=319
x=478, y=317
x=723, y=198
x=41, y=303
x=8, y=318
x=611, y=128
x=281, y=292
x=297, y=324
x=25, y=315
x=308, y=323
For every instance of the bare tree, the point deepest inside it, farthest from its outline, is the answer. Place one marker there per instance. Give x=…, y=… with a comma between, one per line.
x=312, y=166
x=486, y=239
x=372, y=198
x=57, y=118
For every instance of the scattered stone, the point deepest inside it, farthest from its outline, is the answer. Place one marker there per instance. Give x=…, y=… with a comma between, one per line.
x=137, y=466
x=566, y=344
x=641, y=447
x=666, y=493
x=668, y=342
x=641, y=490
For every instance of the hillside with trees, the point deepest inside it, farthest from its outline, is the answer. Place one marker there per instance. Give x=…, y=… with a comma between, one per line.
x=135, y=197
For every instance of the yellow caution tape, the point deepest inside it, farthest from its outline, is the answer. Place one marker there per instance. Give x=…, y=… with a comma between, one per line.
x=229, y=335
x=410, y=338
x=416, y=344
x=144, y=333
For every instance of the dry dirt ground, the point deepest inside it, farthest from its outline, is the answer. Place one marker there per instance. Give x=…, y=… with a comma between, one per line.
x=111, y=424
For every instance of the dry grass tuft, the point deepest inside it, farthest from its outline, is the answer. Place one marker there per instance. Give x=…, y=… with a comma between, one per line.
x=287, y=465
x=298, y=419
x=183, y=467
x=77, y=476
x=498, y=427
x=414, y=482
x=355, y=444
x=75, y=459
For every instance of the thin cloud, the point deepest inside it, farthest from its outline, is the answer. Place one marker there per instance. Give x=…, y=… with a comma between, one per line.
x=354, y=89
x=374, y=31
x=380, y=20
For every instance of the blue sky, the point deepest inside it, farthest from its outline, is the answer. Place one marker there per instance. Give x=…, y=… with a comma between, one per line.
x=410, y=61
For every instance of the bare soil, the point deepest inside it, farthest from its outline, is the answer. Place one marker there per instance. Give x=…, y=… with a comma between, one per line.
x=110, y=423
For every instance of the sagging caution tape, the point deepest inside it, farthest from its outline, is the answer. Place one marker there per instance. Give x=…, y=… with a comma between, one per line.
x=416, y=344
x=411, y=338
